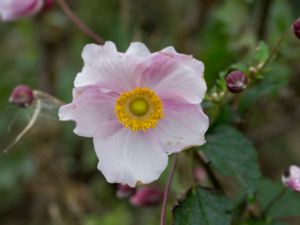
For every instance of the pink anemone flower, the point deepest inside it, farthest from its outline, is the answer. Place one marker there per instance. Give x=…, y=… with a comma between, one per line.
x=14, y=9
x=138, y=107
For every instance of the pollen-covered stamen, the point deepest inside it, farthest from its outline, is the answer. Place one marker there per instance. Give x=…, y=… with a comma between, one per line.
x=139, y=109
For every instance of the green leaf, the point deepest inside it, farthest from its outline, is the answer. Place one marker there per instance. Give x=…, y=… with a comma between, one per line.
x=287, y=205
x=232, y=154
x=203, y=207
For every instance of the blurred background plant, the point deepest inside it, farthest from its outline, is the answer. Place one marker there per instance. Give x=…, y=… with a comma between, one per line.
x=50, y=176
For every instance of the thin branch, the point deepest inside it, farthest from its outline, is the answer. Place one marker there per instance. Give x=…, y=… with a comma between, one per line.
x=167, y=190
x=75, y=19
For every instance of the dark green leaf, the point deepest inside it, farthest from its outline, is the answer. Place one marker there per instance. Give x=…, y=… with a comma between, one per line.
x=287, y=205
x=232, y=154
x=203, y=207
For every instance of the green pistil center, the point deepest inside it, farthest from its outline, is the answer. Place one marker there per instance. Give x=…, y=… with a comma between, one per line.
x=139, y=107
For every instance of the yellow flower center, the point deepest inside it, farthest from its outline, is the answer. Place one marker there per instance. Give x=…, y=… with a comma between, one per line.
x=139, y=109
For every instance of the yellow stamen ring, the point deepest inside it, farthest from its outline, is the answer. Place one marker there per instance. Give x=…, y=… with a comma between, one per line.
x=139, y=109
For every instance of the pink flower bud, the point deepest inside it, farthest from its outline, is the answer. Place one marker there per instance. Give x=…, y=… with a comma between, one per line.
x=14, y=9
x=48, y=4
x=291, y=178
x=147, y=196
x=296, y=27
x=22, y=96
x=124, y=191
x=200, y=174
x=236, y=81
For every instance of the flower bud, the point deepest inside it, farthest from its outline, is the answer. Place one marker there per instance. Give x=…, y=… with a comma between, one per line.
x=22, y=96
x=48, y=4
x=14, y=9
x=236, y=81
x=291, y=178
x=124, y=191
x=296, y=27
x=200, y=175
x=147, y=196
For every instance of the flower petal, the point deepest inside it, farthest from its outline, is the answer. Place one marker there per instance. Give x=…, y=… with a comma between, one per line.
x=138, y=48
x=175, y=76
x=90, y=110
x=184, y=126
x=93, y=52
x=128, y=157
x=103, y=64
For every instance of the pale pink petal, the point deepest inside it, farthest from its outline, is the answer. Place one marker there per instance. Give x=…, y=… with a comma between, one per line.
x=138, y=48
x=105, y=65
x=184, y=126
x=92, y=52
x=291, y=178
x=128, y=157
x=175, y=76
x=90, y=109
x=295, y=172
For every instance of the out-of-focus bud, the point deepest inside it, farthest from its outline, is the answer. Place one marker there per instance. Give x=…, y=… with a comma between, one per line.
x=200, y=174
x=236, y=81
x=14, y=9
x=291, y=178
x=124, y=191
x=296, y=27
x=147, y=196
x=22, y=96
x=48, y=4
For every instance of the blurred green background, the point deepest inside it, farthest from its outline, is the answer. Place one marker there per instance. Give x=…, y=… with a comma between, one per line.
x=50, y=176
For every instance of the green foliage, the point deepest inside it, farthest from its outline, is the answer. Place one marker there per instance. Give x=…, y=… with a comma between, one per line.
x=274, y=80
x=287, y=205
x=232, y=154
x=262, y=52
x=203, y=207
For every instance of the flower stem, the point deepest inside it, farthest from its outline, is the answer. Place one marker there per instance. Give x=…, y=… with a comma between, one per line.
x=274, y=50
x=75, y=19
x=166, y=191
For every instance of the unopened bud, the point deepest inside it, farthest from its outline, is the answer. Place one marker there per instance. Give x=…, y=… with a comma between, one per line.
x=48, y=4
x=16, y=9
x=22, y=96
x=236, y=81
x=124, y=191
x=200, y=175
x=147, y=196
x=296, y=27
x=291, y=178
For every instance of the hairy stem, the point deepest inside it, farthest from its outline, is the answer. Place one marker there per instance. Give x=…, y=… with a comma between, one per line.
x=75, y=19
x=166, y=191
x=33, y=119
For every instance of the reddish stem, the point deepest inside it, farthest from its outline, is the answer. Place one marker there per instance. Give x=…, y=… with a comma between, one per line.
x=166, y=192
x=75, y=19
